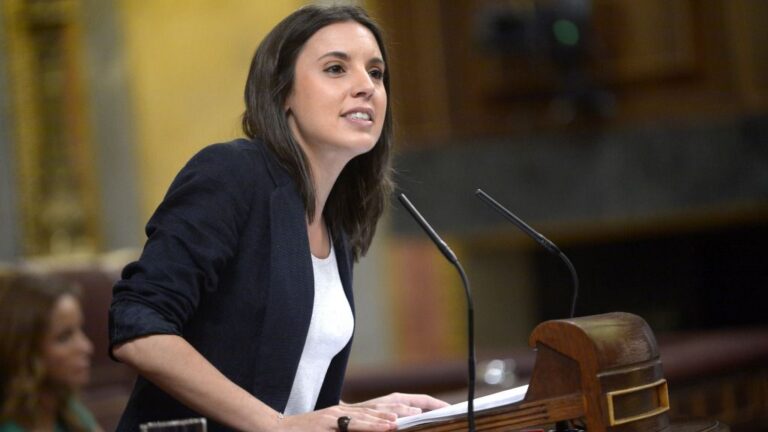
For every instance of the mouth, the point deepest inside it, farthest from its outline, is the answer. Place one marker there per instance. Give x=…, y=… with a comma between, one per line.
x=359, y=114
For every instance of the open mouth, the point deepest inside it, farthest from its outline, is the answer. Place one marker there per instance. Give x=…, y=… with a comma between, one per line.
x=359, y=114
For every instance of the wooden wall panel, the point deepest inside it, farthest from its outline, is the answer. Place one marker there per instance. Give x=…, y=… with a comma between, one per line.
x=417, y=53
x=748, y=32
x=649, y=60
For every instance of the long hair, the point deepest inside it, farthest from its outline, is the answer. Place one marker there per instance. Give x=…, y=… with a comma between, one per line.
x=360, y=193
x=26, y=305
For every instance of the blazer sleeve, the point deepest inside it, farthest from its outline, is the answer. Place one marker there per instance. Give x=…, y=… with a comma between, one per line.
x=190, y=238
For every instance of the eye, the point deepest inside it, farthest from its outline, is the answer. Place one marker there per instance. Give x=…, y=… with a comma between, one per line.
x=376, y=74
x=65, y=335
x=335, y=69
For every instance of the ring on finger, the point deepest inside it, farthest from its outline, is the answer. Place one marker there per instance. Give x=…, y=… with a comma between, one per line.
x=343, y=423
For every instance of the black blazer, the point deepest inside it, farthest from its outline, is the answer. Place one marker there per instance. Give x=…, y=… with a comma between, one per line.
x=227, y=266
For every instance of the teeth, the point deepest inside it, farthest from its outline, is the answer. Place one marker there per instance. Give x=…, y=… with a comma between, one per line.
x=360, y=116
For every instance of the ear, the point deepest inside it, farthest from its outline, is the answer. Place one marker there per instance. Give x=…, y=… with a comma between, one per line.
x=287, y=104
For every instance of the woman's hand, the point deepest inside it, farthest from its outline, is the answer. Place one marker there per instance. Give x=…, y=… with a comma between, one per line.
x=403, y=404
x=361, y=419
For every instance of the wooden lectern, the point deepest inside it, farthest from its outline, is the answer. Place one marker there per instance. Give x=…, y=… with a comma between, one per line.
x=604, y=370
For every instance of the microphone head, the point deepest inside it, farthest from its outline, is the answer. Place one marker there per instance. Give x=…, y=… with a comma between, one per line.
x=446, y=251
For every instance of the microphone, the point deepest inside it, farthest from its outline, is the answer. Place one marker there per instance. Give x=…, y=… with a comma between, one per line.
x=540, y=239
x=448, y=253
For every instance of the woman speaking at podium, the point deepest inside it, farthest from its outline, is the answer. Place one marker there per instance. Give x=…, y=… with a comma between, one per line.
x=240, y=307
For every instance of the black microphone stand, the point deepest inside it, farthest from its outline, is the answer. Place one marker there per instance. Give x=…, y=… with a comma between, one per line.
x=561, y=426
x=448, y=253
x=540, y=239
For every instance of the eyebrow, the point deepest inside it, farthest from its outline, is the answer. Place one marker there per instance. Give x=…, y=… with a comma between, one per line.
x=341, y=55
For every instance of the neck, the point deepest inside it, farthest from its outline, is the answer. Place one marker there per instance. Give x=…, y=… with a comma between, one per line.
x=325, y=172
x=46, y=419
x=323, y=179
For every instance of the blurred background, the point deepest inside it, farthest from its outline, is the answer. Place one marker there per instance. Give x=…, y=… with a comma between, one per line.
x=634, y=134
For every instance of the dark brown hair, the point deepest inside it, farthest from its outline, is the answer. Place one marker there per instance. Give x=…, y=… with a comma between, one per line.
x=26, y=303
x=359, y=195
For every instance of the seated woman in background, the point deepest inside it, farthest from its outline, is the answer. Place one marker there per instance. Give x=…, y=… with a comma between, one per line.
x=45, y=357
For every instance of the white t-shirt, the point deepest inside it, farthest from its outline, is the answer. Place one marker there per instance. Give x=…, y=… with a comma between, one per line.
x=329, y=332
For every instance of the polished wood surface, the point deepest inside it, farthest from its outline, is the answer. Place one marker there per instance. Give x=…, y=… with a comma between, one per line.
x=603, y=370
x=700, y=426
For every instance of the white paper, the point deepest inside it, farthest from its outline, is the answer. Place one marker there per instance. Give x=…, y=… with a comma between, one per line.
x=495, y=400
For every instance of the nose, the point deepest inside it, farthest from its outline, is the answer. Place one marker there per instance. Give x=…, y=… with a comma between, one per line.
x=84, y=344
x=363, y=85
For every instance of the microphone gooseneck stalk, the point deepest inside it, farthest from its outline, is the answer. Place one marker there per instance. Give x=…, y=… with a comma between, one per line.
x=448, y=253
x=540, y=239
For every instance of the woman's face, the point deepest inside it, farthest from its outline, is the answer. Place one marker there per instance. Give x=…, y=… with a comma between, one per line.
x=66, y=349
x=338, y=102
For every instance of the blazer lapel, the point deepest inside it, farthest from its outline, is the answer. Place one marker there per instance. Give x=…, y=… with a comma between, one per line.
x=290, y=297
x=291, y=291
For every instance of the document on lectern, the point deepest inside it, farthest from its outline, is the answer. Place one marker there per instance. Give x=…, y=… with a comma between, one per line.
x=495, y=400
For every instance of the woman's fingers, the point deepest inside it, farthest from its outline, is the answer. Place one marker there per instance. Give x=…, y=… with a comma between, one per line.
x=359, y=424
x=365, y=418
x=361, y=420
x=400, y=409
x=426, y=402
x=372, y=413
x=421, y=401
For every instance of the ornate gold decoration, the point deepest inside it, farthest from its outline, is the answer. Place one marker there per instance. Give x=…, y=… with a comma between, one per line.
x=55, y=160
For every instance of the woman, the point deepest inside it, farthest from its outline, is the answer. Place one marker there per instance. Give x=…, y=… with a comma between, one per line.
x=44, y=356
x=240, y=307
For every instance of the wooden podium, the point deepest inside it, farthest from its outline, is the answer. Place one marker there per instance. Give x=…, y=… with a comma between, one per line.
x=603, y=370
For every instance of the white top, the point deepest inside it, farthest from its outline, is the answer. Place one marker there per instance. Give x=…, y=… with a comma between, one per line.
x=329, y=332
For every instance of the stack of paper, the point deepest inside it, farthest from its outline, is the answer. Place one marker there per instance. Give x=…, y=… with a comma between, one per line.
x=495, y=400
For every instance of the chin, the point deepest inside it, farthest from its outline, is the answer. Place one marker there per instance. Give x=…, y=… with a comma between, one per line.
x=77, y=381
x=363, y=147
